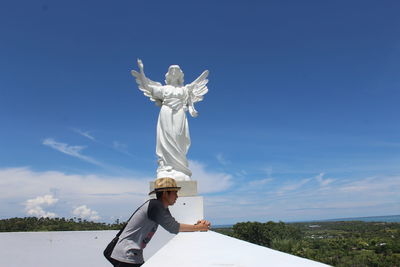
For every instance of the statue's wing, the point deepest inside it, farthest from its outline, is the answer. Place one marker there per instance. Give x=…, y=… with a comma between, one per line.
x=198, y=88
x=146, y=86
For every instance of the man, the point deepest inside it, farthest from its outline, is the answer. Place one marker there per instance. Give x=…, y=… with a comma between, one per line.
x=143, y=224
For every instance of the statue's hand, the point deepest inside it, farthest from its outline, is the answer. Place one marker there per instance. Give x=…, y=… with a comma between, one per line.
x=140, y=64
x=193, y=112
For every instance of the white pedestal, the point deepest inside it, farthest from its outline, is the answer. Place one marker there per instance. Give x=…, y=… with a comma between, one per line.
x=188, y=209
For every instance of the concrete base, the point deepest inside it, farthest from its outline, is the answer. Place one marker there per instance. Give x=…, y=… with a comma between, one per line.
x=188, y=188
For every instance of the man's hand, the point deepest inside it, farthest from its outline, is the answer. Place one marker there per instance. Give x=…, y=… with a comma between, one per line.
x=204, y=222
x=201, y=225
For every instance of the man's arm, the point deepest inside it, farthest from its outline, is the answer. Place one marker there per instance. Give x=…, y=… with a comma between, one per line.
x=201, y=225
x=162, y=216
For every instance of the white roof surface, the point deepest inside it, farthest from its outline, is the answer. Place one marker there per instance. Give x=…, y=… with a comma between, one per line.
x=66, y=249
x=203, y=249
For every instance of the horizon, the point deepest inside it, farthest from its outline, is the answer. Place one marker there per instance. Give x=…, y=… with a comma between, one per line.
x=300, y=121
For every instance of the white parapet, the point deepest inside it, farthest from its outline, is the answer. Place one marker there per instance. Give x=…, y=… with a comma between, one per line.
x=49, y=249
x=203, y=249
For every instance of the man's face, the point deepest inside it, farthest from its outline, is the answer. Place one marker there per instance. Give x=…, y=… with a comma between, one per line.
x=171, y=197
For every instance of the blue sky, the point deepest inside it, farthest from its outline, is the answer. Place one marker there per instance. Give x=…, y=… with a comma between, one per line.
x=301, y=120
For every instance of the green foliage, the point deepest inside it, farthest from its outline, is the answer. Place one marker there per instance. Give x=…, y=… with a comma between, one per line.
x=264, y=233
x=33, y=224
x=352, y=243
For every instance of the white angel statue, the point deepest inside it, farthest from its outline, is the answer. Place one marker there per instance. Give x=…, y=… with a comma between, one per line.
x=174, y=98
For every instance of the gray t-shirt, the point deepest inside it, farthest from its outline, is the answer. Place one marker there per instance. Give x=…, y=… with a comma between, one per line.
x=141, y=228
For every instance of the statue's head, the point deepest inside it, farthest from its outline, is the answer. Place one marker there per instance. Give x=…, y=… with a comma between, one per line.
x=174, y=76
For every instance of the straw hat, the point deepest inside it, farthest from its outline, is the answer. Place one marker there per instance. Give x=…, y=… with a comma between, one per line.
x=165, y=184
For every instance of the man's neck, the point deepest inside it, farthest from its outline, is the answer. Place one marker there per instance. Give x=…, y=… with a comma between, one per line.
x=165, y=203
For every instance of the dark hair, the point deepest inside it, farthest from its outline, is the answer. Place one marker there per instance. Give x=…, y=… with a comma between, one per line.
x=159, y=194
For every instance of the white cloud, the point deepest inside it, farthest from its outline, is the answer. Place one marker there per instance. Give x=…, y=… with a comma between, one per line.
x=373, y=185
x=34, y=207
x=85, y=213
x=268, y=171
x=74, y=151
x=241, y=173
x=292, y=186
x=23, y=181
x=306, y=199
x=109, y=195
x=264, y=200
x=84, y=134
x=323, y=182
x=120, y=147
x=221, y=159
x=209, y=182
x=113, y=196
x=261, y=182
x=117, y=145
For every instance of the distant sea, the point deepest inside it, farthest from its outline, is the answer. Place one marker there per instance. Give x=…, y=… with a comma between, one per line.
x=388, y=218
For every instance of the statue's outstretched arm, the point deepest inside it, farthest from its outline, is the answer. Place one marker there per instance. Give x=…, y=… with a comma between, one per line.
x=146, y=85
x=141, y=78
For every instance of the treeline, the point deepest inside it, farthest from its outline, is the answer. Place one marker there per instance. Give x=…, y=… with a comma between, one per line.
x=352, y=243
x=33, y=224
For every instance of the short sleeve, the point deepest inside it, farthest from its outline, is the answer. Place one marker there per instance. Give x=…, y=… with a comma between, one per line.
x=161, y=215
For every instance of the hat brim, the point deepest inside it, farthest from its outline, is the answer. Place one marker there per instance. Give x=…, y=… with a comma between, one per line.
x=162, y=189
